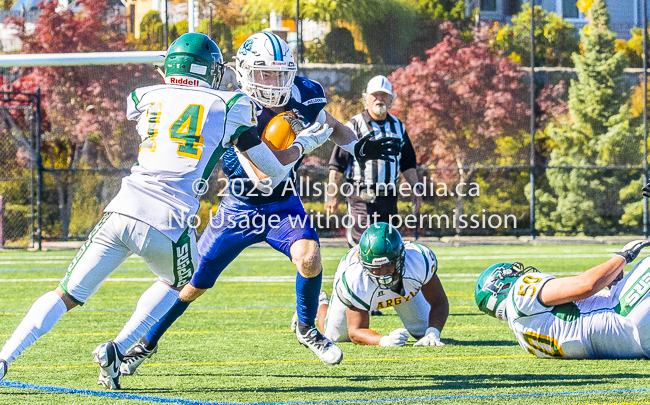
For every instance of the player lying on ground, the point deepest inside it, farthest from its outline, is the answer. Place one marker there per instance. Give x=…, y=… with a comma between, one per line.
x=266, y=71
x=185, y=128
x=574, y=317
x=381, y=272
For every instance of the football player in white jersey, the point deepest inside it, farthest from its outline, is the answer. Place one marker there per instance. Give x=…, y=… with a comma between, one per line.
x=574, y=317
x=185, y=126
x=266, y=71
x=381, y=272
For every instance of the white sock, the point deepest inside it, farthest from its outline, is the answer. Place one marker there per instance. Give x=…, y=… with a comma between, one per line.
x=40, y=319
x=152, y=305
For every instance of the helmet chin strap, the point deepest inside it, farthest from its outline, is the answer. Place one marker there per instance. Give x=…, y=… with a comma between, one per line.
x=160, y=71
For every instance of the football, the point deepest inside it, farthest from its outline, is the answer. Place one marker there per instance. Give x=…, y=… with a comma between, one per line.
x=278, y=134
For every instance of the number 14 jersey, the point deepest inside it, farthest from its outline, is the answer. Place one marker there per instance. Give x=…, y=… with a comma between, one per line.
x=184, y=132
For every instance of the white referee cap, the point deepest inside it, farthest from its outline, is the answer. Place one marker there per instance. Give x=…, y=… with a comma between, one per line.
x=380, y=84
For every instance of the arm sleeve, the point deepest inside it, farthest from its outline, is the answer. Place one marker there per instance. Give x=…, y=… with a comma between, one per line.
x=248, y=139
x=343, y=296
x=240, y=117
x=408, y=160
x=132, y=102
x=340, y=159
x=432, y=262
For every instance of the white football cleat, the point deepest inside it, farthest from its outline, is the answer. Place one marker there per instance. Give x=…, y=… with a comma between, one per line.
x=134, y=357
x=109, y=359
x=326, y=350
x=3, y=369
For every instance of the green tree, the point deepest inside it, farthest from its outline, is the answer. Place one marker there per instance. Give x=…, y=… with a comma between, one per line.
x=152, y=31
x=320, y=10
x=340, y=47
x=221, y=34
x=178, y=29
x=388, y=36
x=555, y=38
x=6, y=4
x=443, y=10
x=597, y=131
x=432, y=13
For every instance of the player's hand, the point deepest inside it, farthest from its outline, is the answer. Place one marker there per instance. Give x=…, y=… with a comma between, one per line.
x=372, y=149
x=646, y=190
x=431, y=338
x=332, y=206
x=296, y=121
x=632, y=249
x=416, y=203
x=312, y=137
x=395, y=338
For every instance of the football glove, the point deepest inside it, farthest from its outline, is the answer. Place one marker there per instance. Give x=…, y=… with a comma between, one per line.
x=632, y=249
x=312, y=137
x=431, y=338
x=373, y=149
x=646, y=190
x=395, y=338
x=296, y=121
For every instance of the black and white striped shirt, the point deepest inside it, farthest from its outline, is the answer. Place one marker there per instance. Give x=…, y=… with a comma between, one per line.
x=379, y=173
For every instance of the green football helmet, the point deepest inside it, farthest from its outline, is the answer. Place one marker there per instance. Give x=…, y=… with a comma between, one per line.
x=194, y=59
x=493, y=285
x=382, y=244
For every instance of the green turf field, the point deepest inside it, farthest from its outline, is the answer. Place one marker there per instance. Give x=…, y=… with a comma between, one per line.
x=234, y=345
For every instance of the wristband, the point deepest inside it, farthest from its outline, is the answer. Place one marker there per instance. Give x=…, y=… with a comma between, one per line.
x=349, y=147
x=433, y=330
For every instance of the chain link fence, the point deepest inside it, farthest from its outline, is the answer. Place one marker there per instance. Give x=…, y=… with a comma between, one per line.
x=18, y=175
x=539, y=180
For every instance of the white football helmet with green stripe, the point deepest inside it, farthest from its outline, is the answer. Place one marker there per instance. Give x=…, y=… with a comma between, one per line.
x=265, y=69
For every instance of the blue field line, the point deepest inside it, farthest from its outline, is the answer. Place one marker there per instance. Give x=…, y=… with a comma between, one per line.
x=134, y=397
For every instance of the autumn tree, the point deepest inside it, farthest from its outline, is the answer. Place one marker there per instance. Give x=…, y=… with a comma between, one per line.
x=464, y=106
x=85, y=105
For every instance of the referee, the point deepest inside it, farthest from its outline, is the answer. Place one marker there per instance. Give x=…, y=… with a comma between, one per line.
x=371, y=191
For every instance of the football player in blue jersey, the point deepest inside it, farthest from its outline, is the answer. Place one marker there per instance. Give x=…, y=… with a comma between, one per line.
x=266, y=72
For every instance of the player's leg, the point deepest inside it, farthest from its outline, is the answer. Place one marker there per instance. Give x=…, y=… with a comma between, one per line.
x=321, y=315
x=174, y=264
x=218, y=246
x=295, y=236
x=414, y=314
x=102, y=253
x=335, y=326
x=305, y=255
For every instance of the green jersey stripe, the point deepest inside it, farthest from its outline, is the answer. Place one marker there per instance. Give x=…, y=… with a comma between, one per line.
x=345, y=283
x=79, y=255
x=232, y=101
x=426, y=259
x=135, y=99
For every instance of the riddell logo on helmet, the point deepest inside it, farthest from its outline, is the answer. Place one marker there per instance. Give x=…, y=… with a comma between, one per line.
x=183, y=80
